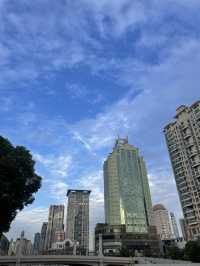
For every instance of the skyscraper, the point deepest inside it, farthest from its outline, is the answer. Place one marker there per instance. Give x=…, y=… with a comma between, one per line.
x=183, y=141
x=36, y=243
x=175, y=232
x=160, y=218
x=43, y=236
x=126, y=188
x=55, y=223
x=77, y=228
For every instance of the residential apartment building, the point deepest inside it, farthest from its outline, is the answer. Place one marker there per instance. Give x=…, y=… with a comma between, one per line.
x=126, y=189
x=77, y=227
x=183, y=141
x=55, y=223
x=160, y=219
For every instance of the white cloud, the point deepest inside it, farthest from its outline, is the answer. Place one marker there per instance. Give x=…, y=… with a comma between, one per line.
x=58, y=165
x=57, y=189
x=30, y=220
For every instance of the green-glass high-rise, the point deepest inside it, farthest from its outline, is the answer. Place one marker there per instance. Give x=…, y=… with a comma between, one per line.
x=126, y=188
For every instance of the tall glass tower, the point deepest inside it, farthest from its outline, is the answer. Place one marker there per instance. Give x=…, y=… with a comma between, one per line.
x=126, y=188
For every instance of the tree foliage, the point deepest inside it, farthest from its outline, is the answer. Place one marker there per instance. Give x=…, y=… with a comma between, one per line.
x=175, y=253
x=192, y=251
x=18, y=181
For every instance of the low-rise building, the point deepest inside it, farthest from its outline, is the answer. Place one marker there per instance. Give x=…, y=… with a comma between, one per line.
x=115, y=241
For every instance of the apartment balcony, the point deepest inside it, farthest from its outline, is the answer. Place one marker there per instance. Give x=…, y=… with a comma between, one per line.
x=186, y=136
x=181, y=183
x=197, y=174
x=190, y=144
x=196, y=163
x=191, y=210
x=173, y=148
x=184, y=126
x=187, y=205
x=197, y=115
x=192, y=153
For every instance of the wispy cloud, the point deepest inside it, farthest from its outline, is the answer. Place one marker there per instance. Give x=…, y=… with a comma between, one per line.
x=56, y=165
x=30, y=220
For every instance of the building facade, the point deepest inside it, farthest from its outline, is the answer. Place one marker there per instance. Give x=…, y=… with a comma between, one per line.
x=160, y=219
x=77, y=227
x=175, y=231
x=183, y=228
x=55, y=223
x=21, y=246
x=36, y=244
x=183, y=141
x=126, y=189
x=115, y=241
x=43, y=236
x=4, y=245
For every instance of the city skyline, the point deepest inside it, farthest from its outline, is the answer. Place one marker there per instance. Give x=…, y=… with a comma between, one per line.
x=77, y=215
x=67, y=93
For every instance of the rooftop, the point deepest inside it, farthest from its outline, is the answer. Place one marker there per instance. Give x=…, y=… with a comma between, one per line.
x=158, y=207
x=78, y=191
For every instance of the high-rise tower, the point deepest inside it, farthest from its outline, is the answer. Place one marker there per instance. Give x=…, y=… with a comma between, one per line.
x=126, y=188
x=77, y=228
x=36, y=243
x=43, y=236
x=183, y=141
x=55, y=223
x=175, y=231
x=160, y=218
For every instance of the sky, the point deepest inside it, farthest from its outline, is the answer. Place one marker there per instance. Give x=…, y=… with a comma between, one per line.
x=75, y=74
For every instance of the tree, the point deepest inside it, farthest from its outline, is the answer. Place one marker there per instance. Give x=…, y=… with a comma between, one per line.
x=18, y=181
x=175, y=253
x=192, y=251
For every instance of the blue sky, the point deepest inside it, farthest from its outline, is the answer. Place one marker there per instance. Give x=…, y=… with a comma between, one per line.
x=75, y=74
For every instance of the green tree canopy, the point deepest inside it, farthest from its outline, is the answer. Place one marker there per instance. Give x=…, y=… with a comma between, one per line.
x=175, y=253
x=192, y=251
x=18, y=181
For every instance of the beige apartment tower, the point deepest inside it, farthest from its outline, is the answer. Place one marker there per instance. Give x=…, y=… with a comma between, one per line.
x=55, y=223
x=160, y=219
x=183, y=141
x=77, y=224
